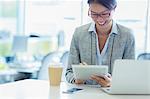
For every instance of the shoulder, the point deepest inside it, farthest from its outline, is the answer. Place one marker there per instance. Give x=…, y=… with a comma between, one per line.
x=123, y=28
x=82, y=30
x=125, y=32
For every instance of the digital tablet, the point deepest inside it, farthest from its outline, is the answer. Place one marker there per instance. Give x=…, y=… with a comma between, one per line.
x=84, y=72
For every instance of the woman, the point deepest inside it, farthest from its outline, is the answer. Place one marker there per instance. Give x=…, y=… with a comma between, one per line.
x=100, y=42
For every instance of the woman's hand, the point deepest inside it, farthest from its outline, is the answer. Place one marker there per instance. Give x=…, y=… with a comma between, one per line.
x=78, y=81
x=103, y=80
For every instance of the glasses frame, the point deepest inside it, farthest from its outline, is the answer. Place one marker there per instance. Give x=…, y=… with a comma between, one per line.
x=105, y=14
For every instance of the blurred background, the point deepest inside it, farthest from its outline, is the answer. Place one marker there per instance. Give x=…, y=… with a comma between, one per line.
x=32, y=29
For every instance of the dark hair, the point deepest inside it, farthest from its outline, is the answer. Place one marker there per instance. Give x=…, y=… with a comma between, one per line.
x=110, y=4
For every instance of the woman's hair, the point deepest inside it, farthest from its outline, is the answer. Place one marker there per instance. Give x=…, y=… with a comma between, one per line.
x=110, y=4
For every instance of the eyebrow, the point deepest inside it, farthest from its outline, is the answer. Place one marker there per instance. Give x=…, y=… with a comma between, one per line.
x=100, y=12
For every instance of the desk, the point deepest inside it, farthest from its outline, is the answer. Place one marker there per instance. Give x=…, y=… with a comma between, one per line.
x=7, y=75
x=38, y=89
x=26, y=69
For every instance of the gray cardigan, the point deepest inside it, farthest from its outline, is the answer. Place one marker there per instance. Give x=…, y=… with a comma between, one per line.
x=83, y=48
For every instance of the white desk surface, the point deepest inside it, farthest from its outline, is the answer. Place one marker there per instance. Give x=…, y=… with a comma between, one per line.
x=38, y=89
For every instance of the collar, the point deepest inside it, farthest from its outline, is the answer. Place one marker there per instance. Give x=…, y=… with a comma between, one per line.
x=113, y=30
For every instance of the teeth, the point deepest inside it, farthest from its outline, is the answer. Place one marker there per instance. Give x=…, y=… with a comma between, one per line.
x=101, y=23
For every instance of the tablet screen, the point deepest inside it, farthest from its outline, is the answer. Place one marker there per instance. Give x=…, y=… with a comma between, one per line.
x=84, y=72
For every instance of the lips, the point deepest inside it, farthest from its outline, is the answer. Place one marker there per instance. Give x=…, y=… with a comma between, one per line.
x=102, y=23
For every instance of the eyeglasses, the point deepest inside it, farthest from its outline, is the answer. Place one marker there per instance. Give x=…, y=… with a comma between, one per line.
x=104, y=14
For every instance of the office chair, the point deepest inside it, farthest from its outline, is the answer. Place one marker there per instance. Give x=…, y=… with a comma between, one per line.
x=143, y=56
x=64, y=58
x=64, y=61
x=46, y=61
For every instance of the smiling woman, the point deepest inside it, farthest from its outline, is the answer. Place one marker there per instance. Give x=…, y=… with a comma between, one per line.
x=100, y=42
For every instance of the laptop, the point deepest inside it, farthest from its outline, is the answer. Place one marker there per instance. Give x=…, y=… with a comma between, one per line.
x=130, y=77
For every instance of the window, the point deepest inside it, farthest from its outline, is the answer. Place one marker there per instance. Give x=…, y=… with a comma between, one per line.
x=51, y=21
x=54, y=20
x=8, y=18
x=133, y=13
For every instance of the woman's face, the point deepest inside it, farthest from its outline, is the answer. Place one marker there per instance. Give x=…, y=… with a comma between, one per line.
x=100, y=15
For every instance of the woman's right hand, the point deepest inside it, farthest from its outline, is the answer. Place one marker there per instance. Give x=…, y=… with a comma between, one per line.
x=78, y=81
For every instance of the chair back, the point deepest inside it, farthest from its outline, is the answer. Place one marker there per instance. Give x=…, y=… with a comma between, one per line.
x=64, y=58
x=64, y=61
x=144, y=56
x=47, y=60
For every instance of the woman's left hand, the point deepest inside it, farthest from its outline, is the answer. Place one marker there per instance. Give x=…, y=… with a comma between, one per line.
x=103, y=80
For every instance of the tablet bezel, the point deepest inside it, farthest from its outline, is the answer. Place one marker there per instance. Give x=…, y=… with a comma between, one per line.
x=84, y=72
